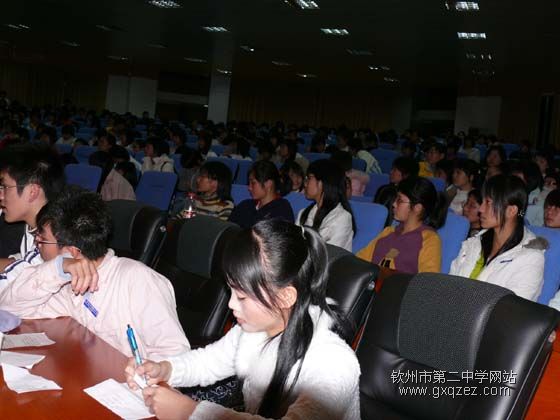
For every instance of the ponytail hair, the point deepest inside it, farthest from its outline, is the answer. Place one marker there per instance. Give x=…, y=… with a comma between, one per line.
x=421, y=191
x=271, y=255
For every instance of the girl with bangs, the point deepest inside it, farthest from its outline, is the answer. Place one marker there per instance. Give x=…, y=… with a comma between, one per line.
x=505, y=252
x=286, y=347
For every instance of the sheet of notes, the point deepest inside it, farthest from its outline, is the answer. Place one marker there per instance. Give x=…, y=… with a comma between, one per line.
x=26, y=340
x=20, y=380
x=120, y=399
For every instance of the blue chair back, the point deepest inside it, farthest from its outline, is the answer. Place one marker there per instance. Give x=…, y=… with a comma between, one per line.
x=312, y=157
x=156, y=189
x=509, y=148
x=63, y=148
x=301, y=148
x=218, y=149
x=298, y=202
x=385, y=158
x=438, y=183
x=82, y=153
x=306, y=137
x=370, y=220
x=254, y=153
x=239, y=193
x=551, y=263
x=192, y=138
x=176, y=162
x=452, y=235
x=363, y=199
x=359, y=164
x=139, y=156
x=85, y=176
x=375, y=181
x=387, y=146
x=232, y=164
x=243, y=168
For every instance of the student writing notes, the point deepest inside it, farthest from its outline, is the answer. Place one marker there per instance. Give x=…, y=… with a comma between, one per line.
x=284, y=346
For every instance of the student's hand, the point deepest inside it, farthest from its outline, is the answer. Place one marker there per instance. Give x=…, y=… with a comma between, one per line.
x=84, y=274
x=155, y=372
x=168, y=404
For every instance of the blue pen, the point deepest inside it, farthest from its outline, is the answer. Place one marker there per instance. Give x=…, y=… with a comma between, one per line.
x=133, y=345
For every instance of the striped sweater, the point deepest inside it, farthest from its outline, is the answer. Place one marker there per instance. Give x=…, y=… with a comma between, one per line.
x=212, y=205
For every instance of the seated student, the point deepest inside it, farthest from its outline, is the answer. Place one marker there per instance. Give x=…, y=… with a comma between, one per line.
x=106, y=141
x=464, y=179
x=413, y=246
x=157, y=158
x=266, y=202
x=178, y=136
x=357, y=150
x=529, y=173
x=128, y=172
x=112, y=185
x=191, y=161
x=237, y=148
x=468, y=148
x=214, y=191
x=287, y=151
x=84, y=279
x=285, y=347
x=495, y=160
x=292, y=177
x=331, y=214
x=505, y=252
x=204, y=144
x=67, y=135
x=471, y=211
x=30, y=175
x=444, y=171
x=358, y=179
x=434, y=154
x=403, y=168
x=552, y=209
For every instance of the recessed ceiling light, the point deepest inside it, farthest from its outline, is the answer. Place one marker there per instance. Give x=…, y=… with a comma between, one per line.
x=360, y=52
x=335, y=31
x=108, y=28
x=390, y=79
x=307, y=75
x=303, y=4
x=154, y=45
x=222, y=71
x=17, y=26
x=118, y=57
x=281, y=63
x=70, y=43
x=471, y=35
x=214, y=29
x=377, y=68
x=205, y=105
x=486, y=73
x=462, y=6
x=165, y=4
x=247, y=48
x=195, y=60
x=473, y=56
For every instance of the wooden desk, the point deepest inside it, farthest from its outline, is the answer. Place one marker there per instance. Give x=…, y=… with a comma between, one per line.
x=78, y=360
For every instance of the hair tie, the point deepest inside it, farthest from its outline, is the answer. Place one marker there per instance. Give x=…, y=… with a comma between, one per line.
x=521, y=213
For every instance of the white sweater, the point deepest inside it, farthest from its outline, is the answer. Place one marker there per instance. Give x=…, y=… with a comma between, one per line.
x=521, y=269
x=327, y=387
x=336, y=227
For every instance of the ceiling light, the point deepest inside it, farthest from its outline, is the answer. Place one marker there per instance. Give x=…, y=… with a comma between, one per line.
x=303, y=4
x=17, y=26
x=485, y=73
x=307, y=75
x=222, y=71
x=462, y=6
x=108, y=28
x=390, y=79
x=70, y=43
x=118, y=57
x=281, y=63
x=471, y=35
x=195, y=60
x=159, y=46
x=377, y=68
x=214, y=28
x=336, y=32
x=473, y=56
x=360, y=52
x=165, y=4
x=247, y=48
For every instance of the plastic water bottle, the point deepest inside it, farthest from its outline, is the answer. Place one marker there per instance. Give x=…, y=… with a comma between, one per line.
x=189, y=210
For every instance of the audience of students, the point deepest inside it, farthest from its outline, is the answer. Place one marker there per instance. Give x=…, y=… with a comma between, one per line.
x=157, y=159
x=330, y=214
x=505, y=252
x=413, y=245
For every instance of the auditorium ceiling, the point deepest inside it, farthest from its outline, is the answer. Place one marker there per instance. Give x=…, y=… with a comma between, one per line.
x=411, y=42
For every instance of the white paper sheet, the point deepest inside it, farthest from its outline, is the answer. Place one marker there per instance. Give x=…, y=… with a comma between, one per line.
x=141, y=382
x=20, y=359
x=20, y=380
x=26, y=340
x=120, y=399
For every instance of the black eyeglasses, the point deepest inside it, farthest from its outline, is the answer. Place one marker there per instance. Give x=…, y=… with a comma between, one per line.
x=5, y=187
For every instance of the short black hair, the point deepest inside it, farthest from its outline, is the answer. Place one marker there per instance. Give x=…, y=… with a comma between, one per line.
x=160, y=146
x=34, y=163
x=68, y=129
x=552, y=199
x=79, y=218
x=406, y=166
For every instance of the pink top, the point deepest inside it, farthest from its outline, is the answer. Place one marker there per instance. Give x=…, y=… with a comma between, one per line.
x=117, y=187
x=129, y=293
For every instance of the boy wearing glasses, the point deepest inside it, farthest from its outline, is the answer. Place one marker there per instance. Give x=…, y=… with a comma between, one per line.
x=82, y=278
x=30, y=176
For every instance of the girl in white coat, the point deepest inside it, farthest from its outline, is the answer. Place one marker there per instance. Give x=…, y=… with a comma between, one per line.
x=331, y=214
x=285, y=347
x=505, y=252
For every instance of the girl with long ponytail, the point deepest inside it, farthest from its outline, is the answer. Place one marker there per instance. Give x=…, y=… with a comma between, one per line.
x=286, y=345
